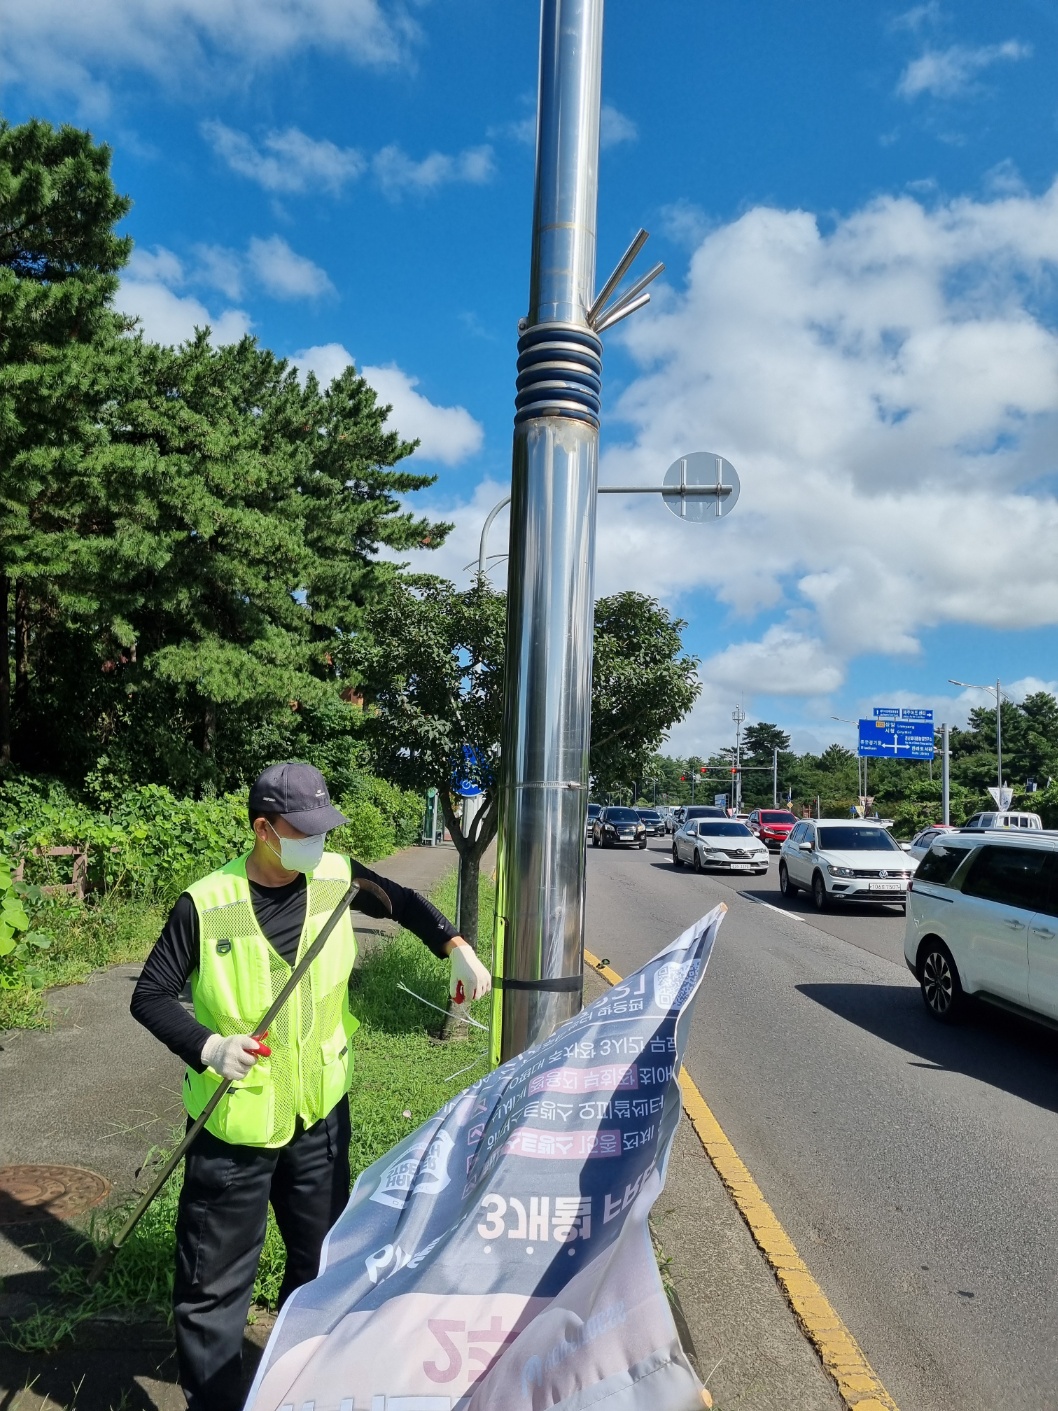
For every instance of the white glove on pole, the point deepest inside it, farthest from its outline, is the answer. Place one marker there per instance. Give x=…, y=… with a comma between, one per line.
x=232, y=1057
x=468, y=979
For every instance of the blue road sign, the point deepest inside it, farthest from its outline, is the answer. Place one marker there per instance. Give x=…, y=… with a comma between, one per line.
x=902, y=713
x=909, y=714
x=895, y=739
x=887, y=712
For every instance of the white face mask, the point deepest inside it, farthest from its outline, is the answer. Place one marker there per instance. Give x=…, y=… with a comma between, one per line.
x=301, y=854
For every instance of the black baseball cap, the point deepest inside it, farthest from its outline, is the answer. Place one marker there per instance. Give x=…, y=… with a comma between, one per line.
x=297, y=792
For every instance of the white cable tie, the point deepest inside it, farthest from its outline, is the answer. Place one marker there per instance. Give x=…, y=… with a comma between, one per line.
x=463, y=1018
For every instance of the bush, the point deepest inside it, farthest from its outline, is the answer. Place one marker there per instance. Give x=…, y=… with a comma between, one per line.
x=151, y=844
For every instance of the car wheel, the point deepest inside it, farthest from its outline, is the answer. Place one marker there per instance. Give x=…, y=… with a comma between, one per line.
x=642, y=844
x=786, y=887
x=820, y=898
x=942, y=991
x=697, y=861
x=676, y=861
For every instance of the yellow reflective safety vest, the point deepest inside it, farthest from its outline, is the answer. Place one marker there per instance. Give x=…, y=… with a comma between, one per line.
x=239, y=974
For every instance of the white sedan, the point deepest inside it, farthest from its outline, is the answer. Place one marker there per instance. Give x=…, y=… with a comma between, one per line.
x=719, y=843
x=923, y=841
x=843, y=860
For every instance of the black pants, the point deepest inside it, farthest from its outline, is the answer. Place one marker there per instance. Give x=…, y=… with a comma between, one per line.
x=220, y=1229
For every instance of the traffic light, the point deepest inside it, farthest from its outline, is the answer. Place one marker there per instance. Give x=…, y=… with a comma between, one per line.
x=683, y=778
x=702, y=770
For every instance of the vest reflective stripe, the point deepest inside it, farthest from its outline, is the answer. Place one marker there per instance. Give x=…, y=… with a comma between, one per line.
x=239, y=974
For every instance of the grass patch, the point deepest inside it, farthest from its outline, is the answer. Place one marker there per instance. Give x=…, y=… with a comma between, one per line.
x=402, y=1076
x=86, y=936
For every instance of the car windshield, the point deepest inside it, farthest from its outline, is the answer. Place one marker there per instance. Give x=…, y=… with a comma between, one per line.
x=594, y=809
x=722, y=830
x=773, y=815
x=648, y=815
x=856, y=840
x=622, y=815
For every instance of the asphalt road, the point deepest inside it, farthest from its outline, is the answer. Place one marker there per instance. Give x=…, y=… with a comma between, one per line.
x=914, y=1166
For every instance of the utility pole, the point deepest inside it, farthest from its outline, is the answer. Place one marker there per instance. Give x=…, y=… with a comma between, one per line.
x=999, y=741
x=775, y=777
x=738, y=715
x=945, y=776
x=550, y=600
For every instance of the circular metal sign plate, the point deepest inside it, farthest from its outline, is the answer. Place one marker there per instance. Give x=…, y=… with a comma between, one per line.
x=701, y=470
x=29, y=1193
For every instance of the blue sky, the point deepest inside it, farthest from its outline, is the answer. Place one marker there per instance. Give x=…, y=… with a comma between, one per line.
x=857, y=211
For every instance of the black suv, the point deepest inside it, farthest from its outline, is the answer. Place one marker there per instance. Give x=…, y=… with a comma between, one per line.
x=618, y=825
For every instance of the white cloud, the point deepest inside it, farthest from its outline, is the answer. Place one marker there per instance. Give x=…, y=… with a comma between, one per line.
x=398, y=174
x=167, y=317
x=75, y=47
x=283, y=273
x=685, y=223
x=614, y=127
x=286, y=161
x=888, y=392
x=947, y=73
x=446, y=434
x=220, y=268
x=784, y=662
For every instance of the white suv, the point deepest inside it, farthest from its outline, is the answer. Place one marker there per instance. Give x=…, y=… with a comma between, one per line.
x=843, y=860
x=983, y=920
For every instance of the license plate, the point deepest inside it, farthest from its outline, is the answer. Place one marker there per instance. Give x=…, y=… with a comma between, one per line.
x=896, y=885
x=741, y=866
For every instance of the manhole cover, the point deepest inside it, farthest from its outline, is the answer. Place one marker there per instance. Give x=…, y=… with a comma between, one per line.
x=29, y=1192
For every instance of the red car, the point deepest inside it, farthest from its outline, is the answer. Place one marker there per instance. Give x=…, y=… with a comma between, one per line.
x=771, y=825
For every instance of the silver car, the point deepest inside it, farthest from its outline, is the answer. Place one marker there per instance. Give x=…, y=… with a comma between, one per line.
x=720, y=843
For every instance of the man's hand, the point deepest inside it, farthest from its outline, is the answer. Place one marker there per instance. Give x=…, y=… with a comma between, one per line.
x=233, y=1057
x=468, y=978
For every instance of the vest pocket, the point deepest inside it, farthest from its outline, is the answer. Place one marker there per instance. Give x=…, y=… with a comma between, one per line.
x=246, y=1115
x=336, y=1066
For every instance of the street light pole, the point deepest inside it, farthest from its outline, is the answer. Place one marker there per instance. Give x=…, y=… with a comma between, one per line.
x=998, y=692
x=775, y=777
x=945, y=777
x=547, y=709
x=738, y=715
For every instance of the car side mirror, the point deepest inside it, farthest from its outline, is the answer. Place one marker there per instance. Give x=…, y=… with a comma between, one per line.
x=906, y=847
x=805, y=847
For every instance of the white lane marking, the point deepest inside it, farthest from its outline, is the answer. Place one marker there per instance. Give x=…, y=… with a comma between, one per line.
x=779, y=911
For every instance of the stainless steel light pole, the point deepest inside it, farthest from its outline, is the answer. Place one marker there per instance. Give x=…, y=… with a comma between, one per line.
x=550, y=602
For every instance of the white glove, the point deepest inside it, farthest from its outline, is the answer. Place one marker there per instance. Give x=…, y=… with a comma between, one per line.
x=468, y=972
x=232, y=1057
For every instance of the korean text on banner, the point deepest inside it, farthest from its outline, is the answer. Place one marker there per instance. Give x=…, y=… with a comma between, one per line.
x=500, y=1255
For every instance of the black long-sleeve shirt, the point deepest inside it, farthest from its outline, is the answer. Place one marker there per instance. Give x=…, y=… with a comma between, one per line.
x=280, y=913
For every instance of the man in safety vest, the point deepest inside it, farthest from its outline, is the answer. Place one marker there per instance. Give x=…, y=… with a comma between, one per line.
x=281, y=1134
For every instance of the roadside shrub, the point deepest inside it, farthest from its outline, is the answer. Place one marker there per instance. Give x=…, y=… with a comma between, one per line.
x=367, y=836
x=22, y=947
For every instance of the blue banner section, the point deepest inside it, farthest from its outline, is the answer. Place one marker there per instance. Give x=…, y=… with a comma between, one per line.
x=500, y=1255
x=882, y=738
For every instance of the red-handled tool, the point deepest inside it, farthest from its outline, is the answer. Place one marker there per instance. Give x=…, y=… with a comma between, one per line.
x=263, y=1050
x=461, y=994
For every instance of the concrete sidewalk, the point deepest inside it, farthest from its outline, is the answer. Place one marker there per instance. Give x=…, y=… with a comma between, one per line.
x=97, y=1092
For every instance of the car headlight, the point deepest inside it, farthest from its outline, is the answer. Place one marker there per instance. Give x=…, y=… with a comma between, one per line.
x=840, y=871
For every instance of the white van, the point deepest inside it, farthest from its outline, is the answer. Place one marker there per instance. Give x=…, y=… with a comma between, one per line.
x=982, y=919
x=1005, y=820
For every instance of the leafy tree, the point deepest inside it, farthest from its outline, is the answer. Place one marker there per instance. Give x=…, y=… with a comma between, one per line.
x=59, y=261
x=641, y=684
x=226, y=546
x=430, y=663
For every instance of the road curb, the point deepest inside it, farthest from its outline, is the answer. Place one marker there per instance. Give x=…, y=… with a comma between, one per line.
x=858, y=1384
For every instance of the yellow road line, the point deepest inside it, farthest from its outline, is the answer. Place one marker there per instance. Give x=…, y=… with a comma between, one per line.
x=857, y=1382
